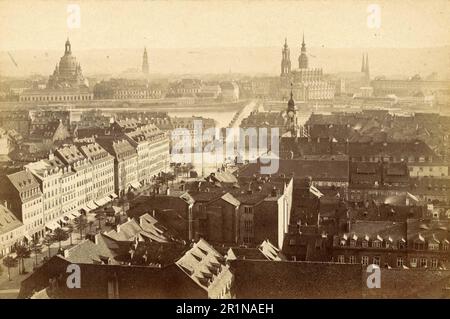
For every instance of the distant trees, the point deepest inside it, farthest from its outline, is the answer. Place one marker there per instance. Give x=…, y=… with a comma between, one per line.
x=9, y=263
x=48, y=241
x=80, y=224
x=60, y=235
x=22, y=252
x=99, y=216
x=69, y=231
x=35, y=248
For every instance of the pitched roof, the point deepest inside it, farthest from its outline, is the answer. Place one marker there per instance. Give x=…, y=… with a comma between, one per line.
x=268, y=279
x=202, y=263
x=23, y=180
x=328, y=170
x=8, y=221
x=87, y=252
x=231, y=199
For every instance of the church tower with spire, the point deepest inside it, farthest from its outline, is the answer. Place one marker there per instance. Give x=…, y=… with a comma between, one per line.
x=366, y=70
x=365, y=67
x=285, y=60
x=145, y=62
x=291, y=113
x=303, y=58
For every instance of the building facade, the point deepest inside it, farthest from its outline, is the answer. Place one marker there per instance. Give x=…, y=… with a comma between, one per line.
x=24, y=198
x=103, y=170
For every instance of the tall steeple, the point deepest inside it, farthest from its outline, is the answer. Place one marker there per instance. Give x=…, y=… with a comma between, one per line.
x=303, y=43
x=303, y=58
x=366, y=69
x=145, y=62
x=363, y=65
x=285, y=59
x=291, y=115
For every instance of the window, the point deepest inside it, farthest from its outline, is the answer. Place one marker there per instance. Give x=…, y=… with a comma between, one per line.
x=376, y=244
x=433, y=246
x=365, y=260
x=423, y=262
x=365, y=244
x=434, y=263
x=399, y=262
x=352, y=259
x=341, y=259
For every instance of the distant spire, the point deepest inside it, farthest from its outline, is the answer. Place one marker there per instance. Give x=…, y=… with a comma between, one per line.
x=303, y=58
x=363, y=65
x=366, y=70
x=291, y=103
x=145, y=62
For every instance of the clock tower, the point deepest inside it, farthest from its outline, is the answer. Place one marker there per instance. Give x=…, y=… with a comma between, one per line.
x=291, y=113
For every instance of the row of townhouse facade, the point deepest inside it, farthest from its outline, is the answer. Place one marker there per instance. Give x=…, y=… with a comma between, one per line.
x=80, y=177
x=416, y=243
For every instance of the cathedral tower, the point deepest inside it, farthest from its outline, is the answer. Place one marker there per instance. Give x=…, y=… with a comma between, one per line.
x=145, y=62
x=285, y=60
x=303, y=58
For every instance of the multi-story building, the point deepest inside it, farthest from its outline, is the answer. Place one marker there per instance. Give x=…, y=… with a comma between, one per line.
x=48, y=173
x=16, y=120
x=69, y=200
x=11, y=231
x=125, y=163
x=7, y=143
x=377, y=180
x=239, y=212
x=428, y=169
x=102, y=173
x=60, y=95
x=415, y=243
x=123, y=89
x=152, y=146
x=71, y=156
x=409, y=87
x=24, y=198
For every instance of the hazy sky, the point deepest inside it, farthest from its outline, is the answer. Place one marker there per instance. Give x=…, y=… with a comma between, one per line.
x=175, y=24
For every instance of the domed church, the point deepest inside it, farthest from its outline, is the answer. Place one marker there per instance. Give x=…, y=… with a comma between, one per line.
x=68, y=73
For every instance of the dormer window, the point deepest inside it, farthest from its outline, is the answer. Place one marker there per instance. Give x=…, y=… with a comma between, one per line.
x=376, y=244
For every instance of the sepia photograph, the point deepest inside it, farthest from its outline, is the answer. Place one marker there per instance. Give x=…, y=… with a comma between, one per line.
x=256, y=150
